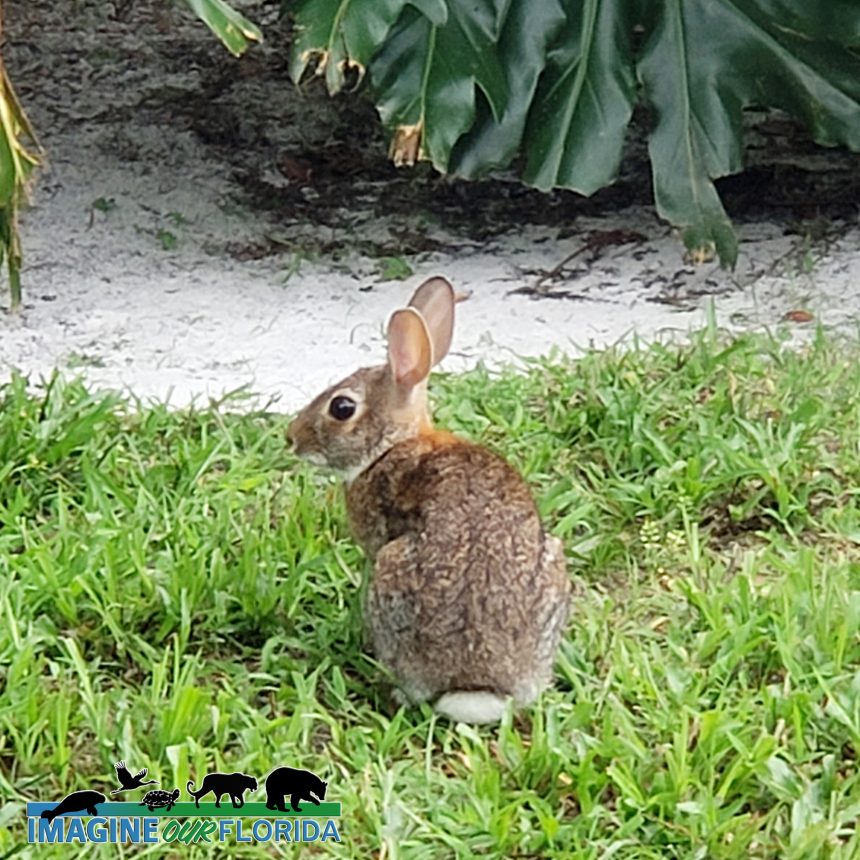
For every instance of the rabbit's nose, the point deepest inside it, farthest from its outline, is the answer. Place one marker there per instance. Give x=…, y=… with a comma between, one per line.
x=291, y=434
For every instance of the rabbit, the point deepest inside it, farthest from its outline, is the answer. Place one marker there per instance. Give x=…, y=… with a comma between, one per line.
x=469, y=596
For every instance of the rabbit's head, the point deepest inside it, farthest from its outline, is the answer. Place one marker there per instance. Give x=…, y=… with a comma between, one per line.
x=354, y=422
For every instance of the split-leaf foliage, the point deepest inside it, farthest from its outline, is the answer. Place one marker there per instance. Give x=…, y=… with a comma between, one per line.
x=550, y=85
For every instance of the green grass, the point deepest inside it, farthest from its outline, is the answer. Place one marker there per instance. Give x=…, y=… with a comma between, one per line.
x=177, y=591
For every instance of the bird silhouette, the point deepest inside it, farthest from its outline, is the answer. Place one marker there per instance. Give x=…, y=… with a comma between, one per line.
x=127, y=781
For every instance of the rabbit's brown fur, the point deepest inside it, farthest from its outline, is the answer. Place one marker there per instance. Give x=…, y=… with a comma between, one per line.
x=469, y=596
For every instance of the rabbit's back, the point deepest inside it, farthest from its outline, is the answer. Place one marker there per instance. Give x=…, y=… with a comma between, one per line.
x=462, y=501
x=468, y=591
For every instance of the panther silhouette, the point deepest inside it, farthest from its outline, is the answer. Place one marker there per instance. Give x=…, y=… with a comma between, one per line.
x=234, y=784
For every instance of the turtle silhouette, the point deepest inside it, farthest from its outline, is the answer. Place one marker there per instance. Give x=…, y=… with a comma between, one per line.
x=77, y=801
x=158, y=798
x=129, y=782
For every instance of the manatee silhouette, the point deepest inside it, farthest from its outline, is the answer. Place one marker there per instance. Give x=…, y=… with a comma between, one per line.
x=77, y=801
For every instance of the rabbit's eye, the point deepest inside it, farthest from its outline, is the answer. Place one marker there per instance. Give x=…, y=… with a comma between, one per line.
x=342, y=408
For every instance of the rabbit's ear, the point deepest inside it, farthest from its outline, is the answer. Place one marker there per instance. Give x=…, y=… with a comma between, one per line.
x=410, y=354
x=434, y=300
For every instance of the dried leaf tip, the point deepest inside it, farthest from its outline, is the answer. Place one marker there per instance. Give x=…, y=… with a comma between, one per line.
x=406, y=144
x=704, y=253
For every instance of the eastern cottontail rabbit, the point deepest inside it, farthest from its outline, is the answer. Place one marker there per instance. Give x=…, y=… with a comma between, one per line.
x=469, y=596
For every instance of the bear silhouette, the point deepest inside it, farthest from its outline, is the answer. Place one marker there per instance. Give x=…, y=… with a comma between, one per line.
x=234, y=784
x=77, y=801
x=298, y=784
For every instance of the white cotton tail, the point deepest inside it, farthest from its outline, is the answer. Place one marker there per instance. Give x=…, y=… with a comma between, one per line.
x=471, y=706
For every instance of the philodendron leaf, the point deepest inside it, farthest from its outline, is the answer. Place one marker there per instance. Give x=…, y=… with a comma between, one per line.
x=527, y=33
x=583, y=105
x=473, y=84
x=704, y=61
x=571, y=84
x=345, y=34
x=232, y=28
x=426, y=76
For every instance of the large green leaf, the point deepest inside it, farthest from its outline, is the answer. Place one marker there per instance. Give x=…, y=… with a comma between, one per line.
x=345, y=34
x=571, y=86
x=433, y=88
x=705, y=60
x=557, y=85
x=583, y=105
x=526, y=36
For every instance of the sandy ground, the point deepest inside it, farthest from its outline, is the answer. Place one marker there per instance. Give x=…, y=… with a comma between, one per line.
x=203, y=225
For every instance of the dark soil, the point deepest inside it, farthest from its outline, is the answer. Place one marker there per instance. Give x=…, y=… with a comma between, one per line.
x=313, y=160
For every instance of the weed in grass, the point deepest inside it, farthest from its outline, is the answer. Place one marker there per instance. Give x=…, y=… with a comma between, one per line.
x=393, y=269
x=104, y=205
x=77, y=360
x=294, y=267
x=177, y=219
x=168, y=240
x=177, y=591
